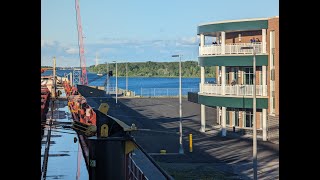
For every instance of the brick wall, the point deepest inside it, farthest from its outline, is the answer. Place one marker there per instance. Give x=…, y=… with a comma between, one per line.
x=273, y=129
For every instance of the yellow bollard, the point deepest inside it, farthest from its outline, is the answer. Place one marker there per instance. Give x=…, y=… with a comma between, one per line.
x=190, y=142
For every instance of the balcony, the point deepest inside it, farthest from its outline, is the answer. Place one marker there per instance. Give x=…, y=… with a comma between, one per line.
x=230, y=49
x=235, y=90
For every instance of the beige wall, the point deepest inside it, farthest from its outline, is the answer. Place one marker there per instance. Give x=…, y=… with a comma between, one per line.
x=273, y=25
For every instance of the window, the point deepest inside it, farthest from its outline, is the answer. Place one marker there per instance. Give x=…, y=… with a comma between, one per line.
x=227, y=118
x=235, y=74
x=248, y=75
x=248, y=118
x=236, y=117
x=227, y=75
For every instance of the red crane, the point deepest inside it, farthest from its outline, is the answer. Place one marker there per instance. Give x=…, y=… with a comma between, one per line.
x=83, y=77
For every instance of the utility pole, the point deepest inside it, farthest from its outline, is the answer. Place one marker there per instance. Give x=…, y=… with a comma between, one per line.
x=108, y=78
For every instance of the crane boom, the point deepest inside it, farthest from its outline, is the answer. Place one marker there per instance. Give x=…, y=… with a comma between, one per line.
x=83, y=78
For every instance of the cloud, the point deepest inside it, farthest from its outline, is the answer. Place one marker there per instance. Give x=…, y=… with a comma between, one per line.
x=108, y=49
x=114, y=41
x=72, y=51
x=61, y=61
x=48, y=43
x=191, y=40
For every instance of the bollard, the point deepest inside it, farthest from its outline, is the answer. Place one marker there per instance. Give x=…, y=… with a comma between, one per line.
x=190, y=143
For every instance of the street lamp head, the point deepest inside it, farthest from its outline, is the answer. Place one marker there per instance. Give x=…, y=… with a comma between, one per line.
x=175, y=55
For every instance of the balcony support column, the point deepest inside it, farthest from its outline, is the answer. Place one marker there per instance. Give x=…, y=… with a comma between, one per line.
x=202, y=80
x=223, y=42
x=203, y=118
x=223, y=79
x=201, y=44
x=218, y=74
x=223, y=119
x=264, y=81
x=202, y=40
x=264, y=124
x=264, y=41
x=202, y=77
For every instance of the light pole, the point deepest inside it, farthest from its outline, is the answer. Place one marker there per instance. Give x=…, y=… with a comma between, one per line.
x=180, y=106
x=108, y=78
x=116, y=82
x=254, y=123
x=54, y=77
x=126, y=77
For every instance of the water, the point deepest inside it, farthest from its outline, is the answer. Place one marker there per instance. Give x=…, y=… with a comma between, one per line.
x=145, y=84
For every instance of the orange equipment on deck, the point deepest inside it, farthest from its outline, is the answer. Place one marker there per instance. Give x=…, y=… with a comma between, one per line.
x=78, y=106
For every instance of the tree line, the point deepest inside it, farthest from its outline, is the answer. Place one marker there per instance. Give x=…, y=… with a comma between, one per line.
x=154, y=69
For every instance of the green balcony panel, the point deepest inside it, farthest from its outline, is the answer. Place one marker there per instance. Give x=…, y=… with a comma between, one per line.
x=233, y=26
x=238, y=60
x=235, y=102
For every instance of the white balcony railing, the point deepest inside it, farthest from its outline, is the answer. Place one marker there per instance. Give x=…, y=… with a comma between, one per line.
x=234, y=48
x=236, y=90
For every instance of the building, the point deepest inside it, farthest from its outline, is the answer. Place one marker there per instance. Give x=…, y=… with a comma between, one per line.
x=221, y=45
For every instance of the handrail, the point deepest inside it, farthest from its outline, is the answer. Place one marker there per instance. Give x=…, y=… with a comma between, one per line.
x=164, y=173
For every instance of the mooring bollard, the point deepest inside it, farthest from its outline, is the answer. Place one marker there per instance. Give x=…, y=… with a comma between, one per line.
x=190, y=143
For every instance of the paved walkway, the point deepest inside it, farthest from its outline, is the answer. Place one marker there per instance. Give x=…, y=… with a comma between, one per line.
x=158, y=121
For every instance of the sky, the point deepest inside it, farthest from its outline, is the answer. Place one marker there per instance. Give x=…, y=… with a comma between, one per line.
x=135, y=30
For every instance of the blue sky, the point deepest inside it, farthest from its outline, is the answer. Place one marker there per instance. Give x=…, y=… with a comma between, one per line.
x=136, y=30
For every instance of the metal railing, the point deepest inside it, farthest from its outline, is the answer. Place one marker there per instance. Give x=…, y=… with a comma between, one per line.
x=165, y=92
x=111, y=90
x=134, y=172
x=232, y=48
x=237, y=90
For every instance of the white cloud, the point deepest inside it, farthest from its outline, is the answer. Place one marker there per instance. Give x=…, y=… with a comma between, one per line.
x=190, y=40
x=48, y=43
x=112, y=48
x=108, y=41
x=72, y=51
x=61, y=61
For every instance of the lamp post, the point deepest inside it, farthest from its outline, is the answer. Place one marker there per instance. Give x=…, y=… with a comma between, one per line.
x=180, y=106
x=116, y=82
x=108, y=78
x=54, y=77
x=126, y=77
x=254, y=114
